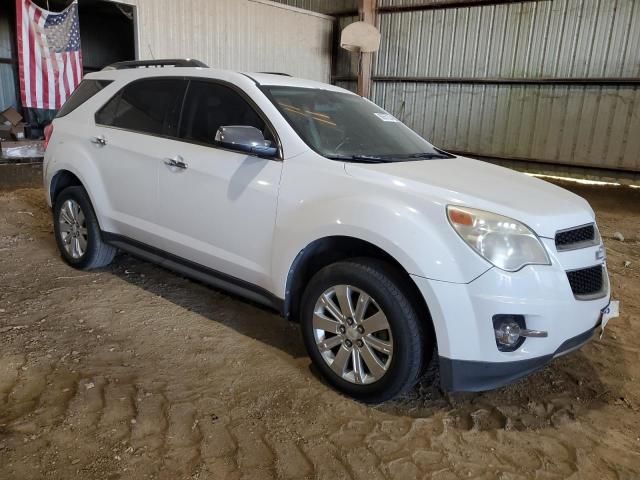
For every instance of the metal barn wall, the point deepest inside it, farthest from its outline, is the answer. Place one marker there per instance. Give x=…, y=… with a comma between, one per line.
x=245, y=35
x=417, y=3
x=8, y=90
x=346, y=62
x=7, y=72
x=551, y=81
x=328, y=7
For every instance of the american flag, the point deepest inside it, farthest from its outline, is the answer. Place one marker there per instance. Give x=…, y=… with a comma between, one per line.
x=49, y=54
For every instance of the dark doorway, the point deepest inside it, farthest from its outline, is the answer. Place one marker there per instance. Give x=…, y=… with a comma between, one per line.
x=107, y=32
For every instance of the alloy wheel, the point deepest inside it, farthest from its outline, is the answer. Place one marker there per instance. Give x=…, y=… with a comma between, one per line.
x=352, y=334
x=73, y=229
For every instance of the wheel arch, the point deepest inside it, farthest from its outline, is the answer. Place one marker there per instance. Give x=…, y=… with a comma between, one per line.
x=327, y=250
x=61, y=180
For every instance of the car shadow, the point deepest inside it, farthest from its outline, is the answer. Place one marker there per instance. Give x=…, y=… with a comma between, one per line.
x=246, y=317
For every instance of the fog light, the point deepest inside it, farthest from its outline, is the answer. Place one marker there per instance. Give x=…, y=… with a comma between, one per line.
x=508, y=334
x=508, y=329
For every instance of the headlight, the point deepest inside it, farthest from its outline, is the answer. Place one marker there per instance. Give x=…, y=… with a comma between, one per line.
x=502, y=241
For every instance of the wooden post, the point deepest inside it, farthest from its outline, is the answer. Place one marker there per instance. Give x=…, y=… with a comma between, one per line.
x=367, y=12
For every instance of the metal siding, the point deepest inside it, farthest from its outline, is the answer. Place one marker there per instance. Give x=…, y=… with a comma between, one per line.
x=7, y=78
x=8, y=87
x=564, y=38
x=348, y=85
x=404, y=3
x=346, y=61
x=323, y=6
x=5, y=36
x=585, y=126
x=593, y=125
x=244, y=35
x=411, y=3
x=297, y=43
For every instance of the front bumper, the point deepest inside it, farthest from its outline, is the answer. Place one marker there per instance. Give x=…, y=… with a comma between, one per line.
x=472, y=376
x=462, y=317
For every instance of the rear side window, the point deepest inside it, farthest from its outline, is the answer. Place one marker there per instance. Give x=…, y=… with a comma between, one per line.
x=209, y=106
x=148, y=106
x=85, y=90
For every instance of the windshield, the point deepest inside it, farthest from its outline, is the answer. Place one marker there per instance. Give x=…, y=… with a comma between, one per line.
x=343, y=126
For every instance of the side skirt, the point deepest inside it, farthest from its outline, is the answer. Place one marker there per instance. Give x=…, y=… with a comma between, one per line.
x=196, y=271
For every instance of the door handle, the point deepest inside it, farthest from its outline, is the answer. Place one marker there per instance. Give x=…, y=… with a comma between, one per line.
x=176, y=162
x=100, y=141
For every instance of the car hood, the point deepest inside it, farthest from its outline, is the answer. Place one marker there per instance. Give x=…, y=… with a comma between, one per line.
x=544, y=207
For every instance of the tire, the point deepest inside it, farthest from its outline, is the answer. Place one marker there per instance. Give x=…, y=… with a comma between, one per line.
x=392, y=374
x=77, y=231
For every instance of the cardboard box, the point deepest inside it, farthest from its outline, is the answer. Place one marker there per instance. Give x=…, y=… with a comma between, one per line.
x=10, y=117
x=17, y=131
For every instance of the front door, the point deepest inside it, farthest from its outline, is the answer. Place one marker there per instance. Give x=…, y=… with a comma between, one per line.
x=218, y=207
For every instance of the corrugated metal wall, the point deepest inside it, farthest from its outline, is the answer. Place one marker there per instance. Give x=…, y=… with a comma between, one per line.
x=8, y=90
x=563, y=38
x=323, y=6
x=406, y=3
x=246, y=35
x=582, y=126
x=346, y=62
x=5, y=37
x=7, y=77
x=483, y=92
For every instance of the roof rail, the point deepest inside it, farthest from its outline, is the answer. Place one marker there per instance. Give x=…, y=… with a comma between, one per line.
x=174, y=62
x=277, y=73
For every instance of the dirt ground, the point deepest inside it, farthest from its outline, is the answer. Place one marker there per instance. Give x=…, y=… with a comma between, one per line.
x=135, y=372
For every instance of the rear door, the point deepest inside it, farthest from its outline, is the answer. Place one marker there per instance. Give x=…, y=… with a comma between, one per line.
x=132, y=140
x=219, y=208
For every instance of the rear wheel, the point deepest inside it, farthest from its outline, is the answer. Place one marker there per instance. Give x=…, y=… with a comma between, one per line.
x=77, y=231
x=361, y=331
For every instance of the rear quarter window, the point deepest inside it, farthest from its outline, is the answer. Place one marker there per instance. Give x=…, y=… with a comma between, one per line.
x=85, y=90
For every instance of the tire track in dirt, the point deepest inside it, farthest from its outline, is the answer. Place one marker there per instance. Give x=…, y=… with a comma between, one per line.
x=9, y=374
x=119, y=410
x=24, y=394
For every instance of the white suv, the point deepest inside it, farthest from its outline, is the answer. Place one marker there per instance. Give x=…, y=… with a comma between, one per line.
x=314, y=201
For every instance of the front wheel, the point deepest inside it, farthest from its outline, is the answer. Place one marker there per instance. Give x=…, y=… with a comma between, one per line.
x=361, y=330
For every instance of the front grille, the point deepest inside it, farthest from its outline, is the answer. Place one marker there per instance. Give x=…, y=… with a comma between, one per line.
x=576, y=237
x=588, y=281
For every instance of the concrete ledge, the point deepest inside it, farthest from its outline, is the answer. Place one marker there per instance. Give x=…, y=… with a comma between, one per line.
x=20, y=175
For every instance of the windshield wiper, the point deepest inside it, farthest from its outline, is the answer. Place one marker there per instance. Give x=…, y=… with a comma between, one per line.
x=357, y=158
x=428, y=156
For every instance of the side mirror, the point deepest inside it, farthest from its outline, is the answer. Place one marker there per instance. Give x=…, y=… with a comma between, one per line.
x=245, y=139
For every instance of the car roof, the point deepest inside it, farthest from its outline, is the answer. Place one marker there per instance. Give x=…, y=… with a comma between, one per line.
x=262, y=79
x=276, y=79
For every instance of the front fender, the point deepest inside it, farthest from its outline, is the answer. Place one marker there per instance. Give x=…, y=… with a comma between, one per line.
x=407, y=233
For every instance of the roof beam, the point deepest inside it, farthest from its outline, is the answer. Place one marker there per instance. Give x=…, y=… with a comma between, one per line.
x=367, y=13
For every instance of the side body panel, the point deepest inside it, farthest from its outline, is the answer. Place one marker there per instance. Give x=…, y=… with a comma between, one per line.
x=318, y=199
x=128, y=164
x=220, y=211
x=70, y=150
